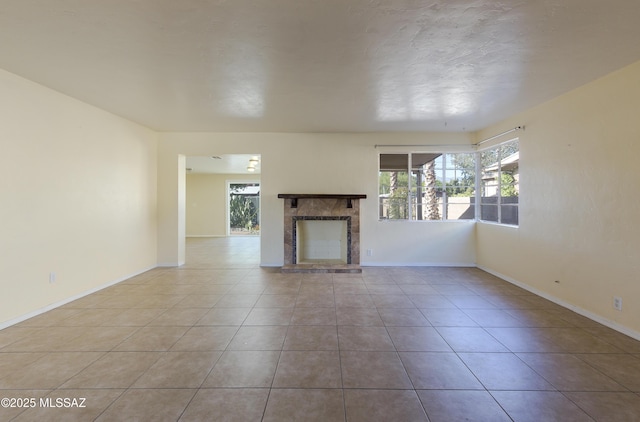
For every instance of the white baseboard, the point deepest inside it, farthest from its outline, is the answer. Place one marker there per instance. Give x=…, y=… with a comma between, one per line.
x=585, y=313
x=37, y=312
x=418, y=264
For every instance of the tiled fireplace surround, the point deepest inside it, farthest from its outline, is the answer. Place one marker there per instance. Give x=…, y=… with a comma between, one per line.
x=321, y=207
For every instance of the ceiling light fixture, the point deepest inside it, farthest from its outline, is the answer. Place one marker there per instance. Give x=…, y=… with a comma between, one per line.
x=251, y=168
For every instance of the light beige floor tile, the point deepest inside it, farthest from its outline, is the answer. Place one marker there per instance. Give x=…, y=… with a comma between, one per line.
x=102, y=339
x=241, y=405
x=133, y=317
x=269, y=316
x=17, y=361
x=50, y=371
x=577, y=340
x=358, y=288
x=619, y=340
x=493, y=318
x=438, y=371
x=179, y=317
x=12, y=334
x=259, y=338
x=285, y=288
x=317, y=337
x=418, y=289
x=149, y=405
x=308, y=405
x=608, y=406
x=383, y=406
x=354, y=300
x=417, y=339
x=569, y=373
x=243, y=369
x=432, y=302
x=398, y=317
x=364, y=338
x=503, y=371
x=277, y=301
x=382, y=370
x=90, y=317
x=536, y=406
x=114, y=370
x=198, y=301
x=247, y=288
x=472, y=406
x=45, y=340
x=383, y=289
x=315, y=300
x=320, y=287
x=149, y=339
x=224, y=316
x=237, y=301
x=392, y=301
x=159, y=301
x=205, y=338
x=624, y=369
x=358, y=316
x=308, y=369
x=525, y=340
x=470, y=339
x=50, y=318
x=178, y=370
x=314, y=316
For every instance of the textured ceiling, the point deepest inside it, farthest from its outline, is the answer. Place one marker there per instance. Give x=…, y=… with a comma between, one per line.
x=316, y=65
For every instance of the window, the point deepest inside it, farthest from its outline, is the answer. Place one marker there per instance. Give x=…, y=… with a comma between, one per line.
x=427, y=186
x=499, y=187
x=443, y=186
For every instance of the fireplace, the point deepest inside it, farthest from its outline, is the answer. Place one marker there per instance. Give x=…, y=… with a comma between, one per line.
x=322, y=240
x=321, y=232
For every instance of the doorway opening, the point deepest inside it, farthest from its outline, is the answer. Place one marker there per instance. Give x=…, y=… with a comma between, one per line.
x=243, y=208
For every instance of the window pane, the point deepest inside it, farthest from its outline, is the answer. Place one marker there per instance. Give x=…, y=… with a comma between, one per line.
x=426, y=170
x=459, y=182
x=509, y=189
x=499, y=184
x=394, y=186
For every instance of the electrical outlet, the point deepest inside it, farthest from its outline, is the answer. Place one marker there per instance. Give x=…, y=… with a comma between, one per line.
x=369, y=252
x=617, y=303
x=52, y=277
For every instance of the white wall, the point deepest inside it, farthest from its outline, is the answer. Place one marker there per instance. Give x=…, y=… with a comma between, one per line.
x=206, y=208
x=316, y=163
x=579, y=201
x=78, y=189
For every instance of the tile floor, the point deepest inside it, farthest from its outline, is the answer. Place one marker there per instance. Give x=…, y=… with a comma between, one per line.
x=222, y=339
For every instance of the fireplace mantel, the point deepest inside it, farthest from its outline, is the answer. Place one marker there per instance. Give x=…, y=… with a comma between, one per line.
x=295, y=196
